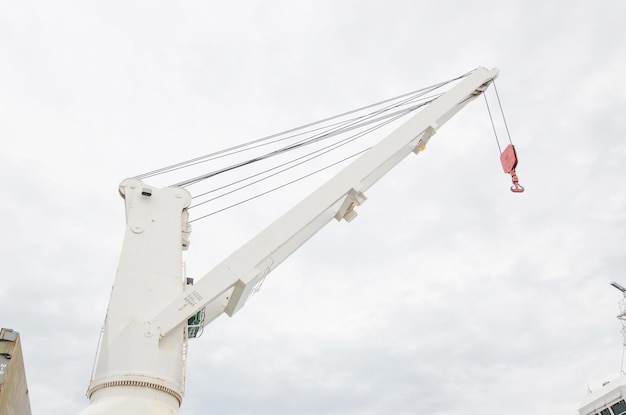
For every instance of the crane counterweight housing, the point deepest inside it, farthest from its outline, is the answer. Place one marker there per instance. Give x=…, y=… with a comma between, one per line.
x=140, y=362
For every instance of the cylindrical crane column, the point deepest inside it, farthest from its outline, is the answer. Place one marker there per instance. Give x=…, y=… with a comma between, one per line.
x=136, y=370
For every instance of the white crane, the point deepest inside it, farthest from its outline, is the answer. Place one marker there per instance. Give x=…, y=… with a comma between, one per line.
x=140, y=362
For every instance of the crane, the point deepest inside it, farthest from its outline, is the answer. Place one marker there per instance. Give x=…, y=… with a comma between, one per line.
x=139, y=367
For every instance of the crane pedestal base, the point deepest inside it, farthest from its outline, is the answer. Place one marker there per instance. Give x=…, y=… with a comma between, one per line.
x=131, y=400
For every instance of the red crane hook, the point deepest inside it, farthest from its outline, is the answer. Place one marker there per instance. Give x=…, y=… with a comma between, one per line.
x=508, y=158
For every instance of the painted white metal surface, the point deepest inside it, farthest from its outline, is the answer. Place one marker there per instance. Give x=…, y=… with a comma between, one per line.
x=132, y=356
x=610, y=398
x=140, y=363
x=601, y=399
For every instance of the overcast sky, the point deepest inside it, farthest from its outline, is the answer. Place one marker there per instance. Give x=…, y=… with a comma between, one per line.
x=447, y=295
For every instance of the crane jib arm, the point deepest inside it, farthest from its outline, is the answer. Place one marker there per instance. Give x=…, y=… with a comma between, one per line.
x=226, y=287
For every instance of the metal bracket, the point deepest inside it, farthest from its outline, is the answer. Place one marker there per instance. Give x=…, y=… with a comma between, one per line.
x=346, y=211
x=419, y=145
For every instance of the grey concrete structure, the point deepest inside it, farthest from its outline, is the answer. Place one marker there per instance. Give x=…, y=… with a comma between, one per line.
x=14, y=398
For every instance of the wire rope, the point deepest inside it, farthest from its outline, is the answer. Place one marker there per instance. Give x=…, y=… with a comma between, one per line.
x=279, y=187
x=195, y=160
x=312, y=154
x=351, y=124
x=506, y=126
x=382, y=113
x=493, y=125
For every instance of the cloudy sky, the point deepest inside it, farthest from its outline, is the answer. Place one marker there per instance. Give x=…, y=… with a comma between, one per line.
x=447, y=295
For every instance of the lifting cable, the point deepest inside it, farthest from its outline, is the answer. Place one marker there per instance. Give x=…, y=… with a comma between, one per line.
x=312, y=133
x=237, y=148
x=279, y=187
x=382, y=121
x=354, y=123
x=303, y=159
x=335, y=129
x=508, y=157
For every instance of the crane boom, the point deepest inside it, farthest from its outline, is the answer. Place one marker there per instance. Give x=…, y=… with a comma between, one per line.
x=141, y=357
x=227, y=286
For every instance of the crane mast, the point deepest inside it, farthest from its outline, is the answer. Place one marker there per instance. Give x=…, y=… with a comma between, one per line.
x=140, y=361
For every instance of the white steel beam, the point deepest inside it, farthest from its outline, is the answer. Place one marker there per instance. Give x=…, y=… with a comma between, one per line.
x=227, y=286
